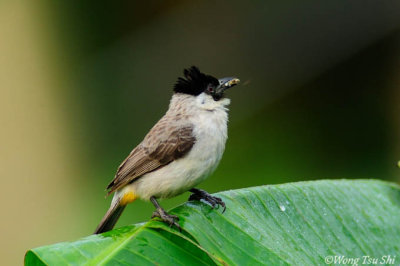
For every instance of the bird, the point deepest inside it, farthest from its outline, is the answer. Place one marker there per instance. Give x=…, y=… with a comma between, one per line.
x=179, y=152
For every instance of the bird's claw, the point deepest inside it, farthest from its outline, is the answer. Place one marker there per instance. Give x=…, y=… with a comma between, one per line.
x=167, y=218
x=215, y=202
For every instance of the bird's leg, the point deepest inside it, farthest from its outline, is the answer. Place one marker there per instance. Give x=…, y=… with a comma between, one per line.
x=163, y=215
x=199, y=194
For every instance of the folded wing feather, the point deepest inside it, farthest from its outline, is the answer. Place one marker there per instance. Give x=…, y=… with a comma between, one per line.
x=162, y=145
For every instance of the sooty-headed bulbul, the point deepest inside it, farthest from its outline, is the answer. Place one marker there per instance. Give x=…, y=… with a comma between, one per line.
x=179, y=152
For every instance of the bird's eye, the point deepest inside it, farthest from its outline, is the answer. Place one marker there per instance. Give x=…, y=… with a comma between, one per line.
x=210, y=89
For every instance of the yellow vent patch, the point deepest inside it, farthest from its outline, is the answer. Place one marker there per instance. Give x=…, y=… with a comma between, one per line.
x=127, y=198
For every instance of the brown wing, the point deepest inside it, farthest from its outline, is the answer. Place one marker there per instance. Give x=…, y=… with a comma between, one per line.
x=161, y=146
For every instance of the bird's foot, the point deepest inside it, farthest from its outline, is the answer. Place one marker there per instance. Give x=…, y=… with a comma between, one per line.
x=167, y=218
x=215, y=202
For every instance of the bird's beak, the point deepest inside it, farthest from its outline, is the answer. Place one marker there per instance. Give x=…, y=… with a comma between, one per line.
x=226, y=83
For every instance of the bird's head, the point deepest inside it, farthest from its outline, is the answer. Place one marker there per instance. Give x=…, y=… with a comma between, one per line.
x=195, y=83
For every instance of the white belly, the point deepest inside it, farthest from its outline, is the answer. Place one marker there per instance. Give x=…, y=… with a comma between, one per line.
x=183, y=174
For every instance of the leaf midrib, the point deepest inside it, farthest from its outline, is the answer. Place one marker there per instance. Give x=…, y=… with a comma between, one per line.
x=116, y=247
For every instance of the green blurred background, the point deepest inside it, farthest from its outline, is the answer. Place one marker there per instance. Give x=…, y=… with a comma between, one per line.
x=83, y=81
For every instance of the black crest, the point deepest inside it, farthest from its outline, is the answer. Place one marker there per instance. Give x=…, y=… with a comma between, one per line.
x=194, y=82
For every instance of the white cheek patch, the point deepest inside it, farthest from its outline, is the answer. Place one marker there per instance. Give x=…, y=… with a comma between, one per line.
x=205, y=101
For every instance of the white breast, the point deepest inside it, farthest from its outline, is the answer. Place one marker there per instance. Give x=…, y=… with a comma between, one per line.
x=211, y=133
x=210, y=130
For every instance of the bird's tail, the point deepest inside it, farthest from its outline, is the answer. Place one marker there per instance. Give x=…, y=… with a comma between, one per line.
x=110, y=218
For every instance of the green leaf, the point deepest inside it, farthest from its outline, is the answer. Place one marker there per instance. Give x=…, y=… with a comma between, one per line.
x=296, y=223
